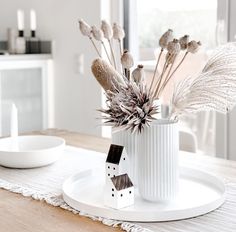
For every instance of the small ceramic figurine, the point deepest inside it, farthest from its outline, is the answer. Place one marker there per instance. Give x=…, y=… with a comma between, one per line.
x=119, y=192
x=117, y=162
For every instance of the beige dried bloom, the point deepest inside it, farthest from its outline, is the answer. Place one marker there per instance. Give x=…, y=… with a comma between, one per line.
x=107, y=30
x=173, y=47
x=97, y=33
x=193, y=46
x=118, y=32
x=106, y=75
x=183, y=41
x=166, y=38
x=127, y=60
x=138, y=74
x=85, y=28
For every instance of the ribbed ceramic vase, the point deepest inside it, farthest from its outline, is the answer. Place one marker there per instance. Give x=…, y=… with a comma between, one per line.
x=129, y=141
x=158, y=147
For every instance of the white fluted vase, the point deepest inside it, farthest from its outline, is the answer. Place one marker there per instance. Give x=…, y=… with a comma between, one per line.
x=129, y=141
x=158, y=148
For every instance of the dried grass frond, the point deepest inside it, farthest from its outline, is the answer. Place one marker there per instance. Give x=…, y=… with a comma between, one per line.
x=214, y=88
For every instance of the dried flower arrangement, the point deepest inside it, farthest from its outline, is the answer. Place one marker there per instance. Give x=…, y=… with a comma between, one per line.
x=132, y=103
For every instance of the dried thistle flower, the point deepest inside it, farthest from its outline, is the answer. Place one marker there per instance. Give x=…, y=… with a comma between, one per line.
x=183, y=41
x=106, y=75
x=138, y=74
x=84, y=28
x=97, y=33
x=193, y=46
x=107, y=30
x=127, y=60
x=118, y=32
x=166, y=38
x=130, y=108
x=173, y=47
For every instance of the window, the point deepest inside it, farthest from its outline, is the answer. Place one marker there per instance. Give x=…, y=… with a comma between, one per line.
x=207, y=21
x=196, y=18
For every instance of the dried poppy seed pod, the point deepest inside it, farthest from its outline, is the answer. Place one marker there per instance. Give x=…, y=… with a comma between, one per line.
x=166, y=38
x=97, y=33
x=138, y=74
x=118, y=32
x=170, y=58
x=107, y=30
x=183, y=41
x=173, y=47
x=84, y=28
x=127, y=60
x=106, y=75
x=193, y=46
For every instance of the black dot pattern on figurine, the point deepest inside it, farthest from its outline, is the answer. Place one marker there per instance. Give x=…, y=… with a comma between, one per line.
x=112, y=195
x=114, y=168
x=112, y=189
x=121, y=195
x=108, y=174
x=129, y=192
x=124, y=159
x=109, y=167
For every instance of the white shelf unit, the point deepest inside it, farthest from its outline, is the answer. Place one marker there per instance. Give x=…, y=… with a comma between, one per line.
x=27, y=80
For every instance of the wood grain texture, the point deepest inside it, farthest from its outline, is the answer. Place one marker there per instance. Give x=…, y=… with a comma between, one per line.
x=23, y=214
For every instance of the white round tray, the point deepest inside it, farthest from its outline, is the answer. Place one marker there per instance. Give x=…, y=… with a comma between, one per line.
x=199, y=193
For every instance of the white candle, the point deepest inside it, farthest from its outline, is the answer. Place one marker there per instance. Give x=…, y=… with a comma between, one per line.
x=33, y=23
x=20, y=20
x=14, y=121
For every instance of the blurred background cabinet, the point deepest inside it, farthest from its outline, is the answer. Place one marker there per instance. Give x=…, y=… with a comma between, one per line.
x=27, y=81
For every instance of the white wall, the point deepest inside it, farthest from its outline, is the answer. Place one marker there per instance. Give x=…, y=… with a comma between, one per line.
x=76, y=96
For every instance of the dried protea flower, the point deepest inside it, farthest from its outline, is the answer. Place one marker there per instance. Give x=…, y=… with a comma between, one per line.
x=127, y=60
x=166, y=38
x=107, y=30
x=193, y=46
x=173, y=47
x=183, y=41
x=138, y=74
x=118, y=32
x=130, y=108
x=97, y=33
x=85, y=28
x=106, y=75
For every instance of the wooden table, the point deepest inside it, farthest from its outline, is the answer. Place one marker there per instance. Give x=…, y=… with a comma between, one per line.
x=18, y=213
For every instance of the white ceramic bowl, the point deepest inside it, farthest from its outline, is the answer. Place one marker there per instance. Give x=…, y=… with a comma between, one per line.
x=30, y=151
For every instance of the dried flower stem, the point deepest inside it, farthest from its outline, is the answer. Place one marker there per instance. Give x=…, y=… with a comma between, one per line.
x=171, y=75
x=106, y=52
x=167, y=77
x=121, y=50
x=91, y=39
x=165, y=67
x=155, y=71
x=112, y=53
x=160, y=78
x=128, y=74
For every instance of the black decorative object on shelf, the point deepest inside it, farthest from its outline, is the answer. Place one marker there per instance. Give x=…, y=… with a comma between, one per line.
x=45, y=47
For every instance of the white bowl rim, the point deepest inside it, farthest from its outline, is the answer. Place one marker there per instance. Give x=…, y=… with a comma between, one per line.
x=63, y=142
